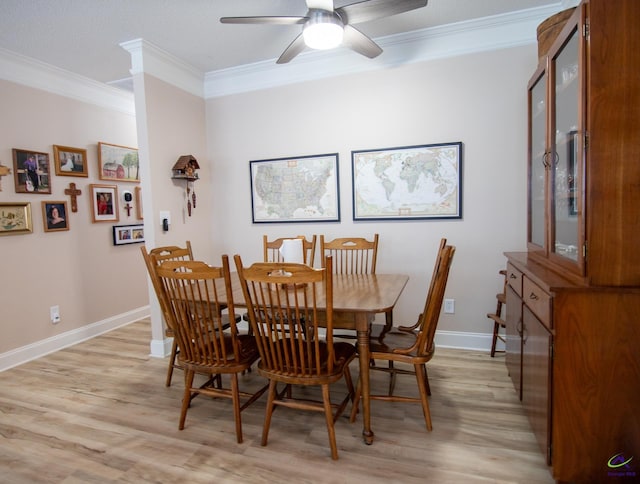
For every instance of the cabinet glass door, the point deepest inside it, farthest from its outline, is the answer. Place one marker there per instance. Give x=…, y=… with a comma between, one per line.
x=566, y=146
x=537, y=159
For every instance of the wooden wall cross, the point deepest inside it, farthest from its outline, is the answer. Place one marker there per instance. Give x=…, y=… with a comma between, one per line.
x=128, y=208
x=73, y=192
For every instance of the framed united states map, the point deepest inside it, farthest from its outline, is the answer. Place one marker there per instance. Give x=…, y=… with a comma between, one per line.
x=300, y=189
x=411, y=182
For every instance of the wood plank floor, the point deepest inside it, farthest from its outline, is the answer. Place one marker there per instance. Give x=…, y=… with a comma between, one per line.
x=99, y=412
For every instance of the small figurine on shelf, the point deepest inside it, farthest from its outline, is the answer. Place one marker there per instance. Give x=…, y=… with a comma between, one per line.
x=185, y=169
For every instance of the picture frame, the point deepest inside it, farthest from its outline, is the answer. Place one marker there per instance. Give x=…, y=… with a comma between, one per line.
x=55, y=216
x=408, y=183
x=139, y=212
x=15, y=218
x=128, y=234
x=118, y=163
x=296, y=189
x=31, y=172
x=68, y=161
x=104, y=203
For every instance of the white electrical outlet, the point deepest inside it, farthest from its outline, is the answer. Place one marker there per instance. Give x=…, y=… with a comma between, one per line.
x=54, y=313
x=449, y=306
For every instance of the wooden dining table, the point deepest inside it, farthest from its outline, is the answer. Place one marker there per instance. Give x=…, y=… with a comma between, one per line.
x=357, y=298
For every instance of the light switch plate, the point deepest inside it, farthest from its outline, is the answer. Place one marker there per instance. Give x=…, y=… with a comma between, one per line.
x=449, y=306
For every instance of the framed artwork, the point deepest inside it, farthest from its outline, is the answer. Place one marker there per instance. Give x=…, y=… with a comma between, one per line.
x=31, y=171
x=300, y=189
x=118, y=163
x=54, y=216
x=139, y=213
x=69, y=161
x=15, y=218
x=128, y=234
x=104, y=203
x=410, y=182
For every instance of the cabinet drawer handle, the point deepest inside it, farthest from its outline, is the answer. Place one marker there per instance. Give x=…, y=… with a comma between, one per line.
x=545, y=159
x=533, y=296
x=519, y=327
x=512, y=276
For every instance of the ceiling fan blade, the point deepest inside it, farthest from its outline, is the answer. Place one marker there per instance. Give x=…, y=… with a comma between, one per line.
x=367, y=10
x=320, y=4
x=293, y=50
x=359, y=42
x=264, y=20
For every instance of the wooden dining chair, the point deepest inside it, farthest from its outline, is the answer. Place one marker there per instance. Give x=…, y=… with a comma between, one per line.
x=193, y=294
x=152, y=259
x=413, y=345
x=272, y=253
x=498, y=320
x=353, y=255
x=289, y=305
x=271, y=249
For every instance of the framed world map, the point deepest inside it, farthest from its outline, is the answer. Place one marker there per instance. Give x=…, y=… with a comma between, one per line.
x=300, y=189
x=410, y=182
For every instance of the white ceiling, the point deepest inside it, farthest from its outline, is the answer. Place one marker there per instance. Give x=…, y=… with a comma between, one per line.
x=84, y=36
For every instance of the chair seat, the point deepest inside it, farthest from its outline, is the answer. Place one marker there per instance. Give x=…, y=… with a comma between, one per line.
x=248, y=354
x=344, y=353
x=392, y=340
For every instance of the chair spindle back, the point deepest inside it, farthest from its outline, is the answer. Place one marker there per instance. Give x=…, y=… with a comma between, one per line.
x=285, y=316
x=351, y=255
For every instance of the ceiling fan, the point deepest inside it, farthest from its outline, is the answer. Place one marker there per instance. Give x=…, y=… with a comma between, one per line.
x=325, y=27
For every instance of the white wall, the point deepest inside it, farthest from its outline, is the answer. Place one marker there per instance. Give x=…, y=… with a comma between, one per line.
x=95, y=284
x=478, y=99
x=171, y=123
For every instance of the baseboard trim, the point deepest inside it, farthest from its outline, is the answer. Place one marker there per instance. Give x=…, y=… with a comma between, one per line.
x=44, y=347
x=162, y=348
x=466, y=341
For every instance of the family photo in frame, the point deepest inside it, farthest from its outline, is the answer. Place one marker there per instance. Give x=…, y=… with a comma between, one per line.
x=104, y=202
x=128, y=234
x=55, y=216
x=70, y=161
x=31, y=172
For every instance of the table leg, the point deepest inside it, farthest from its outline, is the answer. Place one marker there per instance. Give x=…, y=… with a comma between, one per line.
x=363, y=356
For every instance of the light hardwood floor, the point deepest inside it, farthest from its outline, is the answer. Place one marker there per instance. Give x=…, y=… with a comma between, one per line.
x=99, y=412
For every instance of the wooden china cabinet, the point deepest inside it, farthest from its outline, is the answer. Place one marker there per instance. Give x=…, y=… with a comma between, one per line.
x=573, y=299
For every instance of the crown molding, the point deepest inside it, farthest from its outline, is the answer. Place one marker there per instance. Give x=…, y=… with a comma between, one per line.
x=39, y=75
x=489, y=33
x=149, y=59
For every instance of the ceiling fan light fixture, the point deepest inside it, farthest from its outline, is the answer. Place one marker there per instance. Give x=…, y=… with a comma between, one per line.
x=324, y=30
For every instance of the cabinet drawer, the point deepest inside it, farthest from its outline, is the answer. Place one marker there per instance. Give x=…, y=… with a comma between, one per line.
x=514, y=278
x=538, y=301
